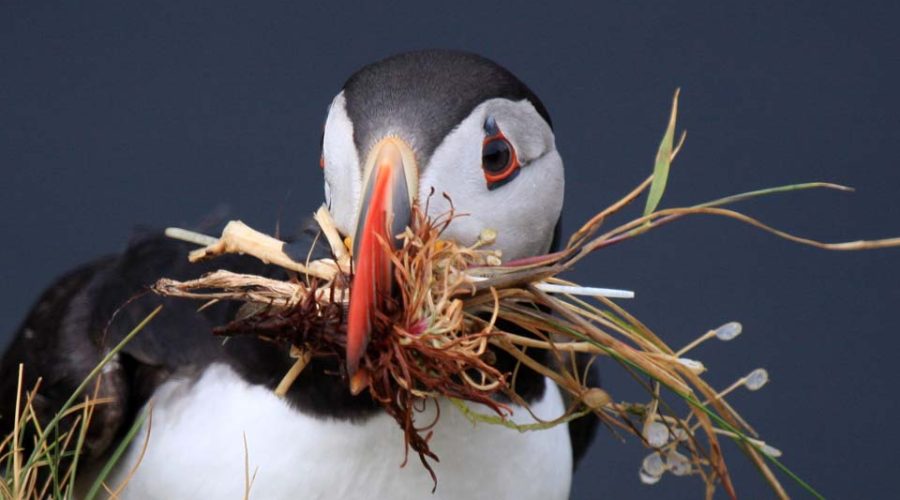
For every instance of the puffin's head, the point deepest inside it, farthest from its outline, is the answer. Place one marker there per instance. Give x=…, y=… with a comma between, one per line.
x=446, y=121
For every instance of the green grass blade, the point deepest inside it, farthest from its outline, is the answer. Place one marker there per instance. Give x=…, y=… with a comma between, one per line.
x=52, y=461
x=79, y=445
x=663, y=161
x=474, y=417
x=772, y=190
x=743, y=438
x=97, y=486
x=51, y=427
x=739, y=436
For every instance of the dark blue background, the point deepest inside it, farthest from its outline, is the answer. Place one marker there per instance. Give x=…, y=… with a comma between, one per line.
x=124, y=113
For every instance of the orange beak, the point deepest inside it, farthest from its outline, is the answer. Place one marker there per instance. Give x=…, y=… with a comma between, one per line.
x=389, y=188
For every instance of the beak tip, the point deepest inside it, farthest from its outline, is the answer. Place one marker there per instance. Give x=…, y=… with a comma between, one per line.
x=359, y=381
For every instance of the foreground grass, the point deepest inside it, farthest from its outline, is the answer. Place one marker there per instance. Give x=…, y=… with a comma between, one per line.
x=41, y=460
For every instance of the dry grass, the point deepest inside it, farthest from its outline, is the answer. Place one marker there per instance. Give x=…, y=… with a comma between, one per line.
x=438, y=335
x=40, y=459
x=432, y=340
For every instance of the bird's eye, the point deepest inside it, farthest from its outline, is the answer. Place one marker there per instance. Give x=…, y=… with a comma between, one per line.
x=498, y=160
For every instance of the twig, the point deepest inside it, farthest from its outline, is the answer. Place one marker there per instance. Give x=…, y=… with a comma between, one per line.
x=303, y=356
x=239, y=238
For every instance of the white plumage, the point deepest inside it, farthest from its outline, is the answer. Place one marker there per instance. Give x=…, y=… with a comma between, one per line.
x=196, y=450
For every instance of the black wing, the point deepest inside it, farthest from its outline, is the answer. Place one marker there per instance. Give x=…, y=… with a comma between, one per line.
x=74, y=323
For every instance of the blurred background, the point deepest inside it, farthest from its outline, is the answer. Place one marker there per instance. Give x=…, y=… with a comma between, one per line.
x=119, y=114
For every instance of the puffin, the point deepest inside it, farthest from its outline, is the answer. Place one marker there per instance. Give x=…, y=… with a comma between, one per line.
x=400, y=131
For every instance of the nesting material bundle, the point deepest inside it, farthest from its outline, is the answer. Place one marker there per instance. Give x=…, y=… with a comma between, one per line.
x=438, y=333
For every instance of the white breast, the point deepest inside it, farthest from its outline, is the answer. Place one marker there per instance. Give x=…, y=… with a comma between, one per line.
x=196, y=450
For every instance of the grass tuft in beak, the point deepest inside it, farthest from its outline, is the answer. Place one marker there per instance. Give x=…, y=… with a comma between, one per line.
x=438, y=337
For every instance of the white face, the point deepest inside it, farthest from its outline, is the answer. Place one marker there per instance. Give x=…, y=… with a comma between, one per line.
x=524, y=210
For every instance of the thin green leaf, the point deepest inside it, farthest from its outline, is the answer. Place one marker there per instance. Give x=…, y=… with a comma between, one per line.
x=117, y=455
x=739, y=436
x=773, y=190
x=51, y=427
x=663, y=161
x=742, y=438
x=474, y=417
x=79, y=445
x=52, y=458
